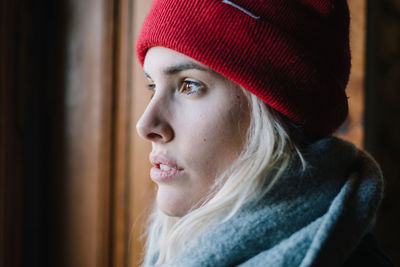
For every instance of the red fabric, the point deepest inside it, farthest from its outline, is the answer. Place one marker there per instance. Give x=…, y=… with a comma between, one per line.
x=295, y=56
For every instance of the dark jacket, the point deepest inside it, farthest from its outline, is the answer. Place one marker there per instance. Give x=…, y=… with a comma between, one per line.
x=368, y=254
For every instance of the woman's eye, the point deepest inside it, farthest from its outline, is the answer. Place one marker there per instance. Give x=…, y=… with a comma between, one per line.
x=190, y=87
x=151, y=87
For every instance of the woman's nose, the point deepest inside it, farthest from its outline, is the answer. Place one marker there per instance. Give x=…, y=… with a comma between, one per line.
x=154, y=126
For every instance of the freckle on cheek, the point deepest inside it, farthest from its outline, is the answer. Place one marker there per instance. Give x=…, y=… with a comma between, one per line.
x=204, y=140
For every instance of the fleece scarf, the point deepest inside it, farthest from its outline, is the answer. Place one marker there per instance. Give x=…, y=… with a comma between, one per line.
x=312, y=218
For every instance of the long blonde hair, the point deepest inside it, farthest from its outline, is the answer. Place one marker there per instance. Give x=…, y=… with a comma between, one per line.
x=265, y=156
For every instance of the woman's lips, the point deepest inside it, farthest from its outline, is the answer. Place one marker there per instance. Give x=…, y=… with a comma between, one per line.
x=159, y=175
x=164, y=169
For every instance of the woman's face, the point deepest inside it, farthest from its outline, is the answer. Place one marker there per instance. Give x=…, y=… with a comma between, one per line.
x=197, y=122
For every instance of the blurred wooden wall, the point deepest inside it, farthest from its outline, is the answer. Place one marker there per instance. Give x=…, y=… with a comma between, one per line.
x=353, y=128
x=10, y=145
x=142, y=190
x=382, y=113
x=374, y=97
x=74, y=181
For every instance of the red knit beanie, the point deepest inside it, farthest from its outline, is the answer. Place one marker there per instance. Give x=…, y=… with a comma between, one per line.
x=293, y=54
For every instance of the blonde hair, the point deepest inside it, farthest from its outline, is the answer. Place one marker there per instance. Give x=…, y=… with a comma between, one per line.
x=265, y=156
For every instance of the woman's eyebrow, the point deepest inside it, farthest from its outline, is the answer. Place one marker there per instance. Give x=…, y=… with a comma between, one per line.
x=185, y=66
x=180, y=67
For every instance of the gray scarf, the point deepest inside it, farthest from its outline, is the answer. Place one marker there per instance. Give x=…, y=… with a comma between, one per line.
x=311, y=218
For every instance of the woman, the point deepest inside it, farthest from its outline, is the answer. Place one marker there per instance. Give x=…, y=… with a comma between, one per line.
x=245, y=97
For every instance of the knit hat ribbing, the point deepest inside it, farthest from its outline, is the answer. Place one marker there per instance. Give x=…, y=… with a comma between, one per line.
x=293, y=54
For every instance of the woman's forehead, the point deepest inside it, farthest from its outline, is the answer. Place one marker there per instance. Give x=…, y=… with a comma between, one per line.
x=169, y=62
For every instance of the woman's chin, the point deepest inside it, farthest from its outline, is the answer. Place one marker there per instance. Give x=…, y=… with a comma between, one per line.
x=172, y=202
